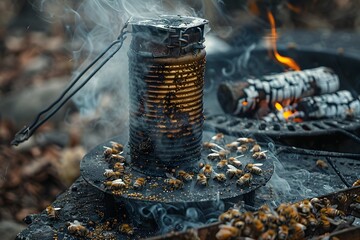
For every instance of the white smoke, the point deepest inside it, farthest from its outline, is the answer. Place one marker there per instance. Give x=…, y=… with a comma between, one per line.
x=92, y=26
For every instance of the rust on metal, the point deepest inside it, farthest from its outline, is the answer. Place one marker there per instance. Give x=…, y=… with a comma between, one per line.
x=166, y=71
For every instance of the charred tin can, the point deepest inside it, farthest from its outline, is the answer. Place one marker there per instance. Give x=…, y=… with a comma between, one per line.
x=166, y=78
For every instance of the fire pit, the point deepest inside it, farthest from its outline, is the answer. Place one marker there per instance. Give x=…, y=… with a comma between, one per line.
x=227, y=67
x=166, y=165
x=165, y=135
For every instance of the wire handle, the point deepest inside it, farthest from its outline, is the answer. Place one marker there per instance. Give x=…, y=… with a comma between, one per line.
x=27, y=131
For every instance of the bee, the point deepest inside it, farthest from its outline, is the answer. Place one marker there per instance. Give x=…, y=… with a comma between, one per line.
x=259, y=155
x=247, y=230
x=127, y=180
x=243, y=148
x=126, y=228
x=248, y=217
x=116, y=184
x=77, y=228
x=174, y=183
x=119, y=167
x=265, y=208
x=320, y=203
x=225, y=217
x=263, y=217
x=312, y=221
x=305, y=206
x=356, y=183
x=304, y=221
x=245, y=179
x=213, y=156
x=315, y=202
x=255, y=148
x=218, y=137
x=342, y=198
x=201, y=179
x=117, y=146
x=258, y=226
x=245, y=140
x=220, y=177
x=268, y=235
x=290, y=212
x=326, y=202
x=331, y=212
x=109, y=151
x=210, y=145
x=223, y=154
x=117, y=158
x=321, y=164
x=52, y=212
x=110, y=173
x=235, y=162
x=185, y=176
x=235, y=213
x=281, y=220
x=232, y=146
x=207, y=170
x=282, y=207
x=297, y=229
x=239, y=224
x=222, y=163
x=139, y=183
x=254, y=168
x=233, y=171
x=226, y=232
x=283, y=232
x=325, y=222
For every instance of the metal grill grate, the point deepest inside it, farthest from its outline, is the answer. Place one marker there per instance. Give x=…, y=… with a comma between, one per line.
x=241, y=126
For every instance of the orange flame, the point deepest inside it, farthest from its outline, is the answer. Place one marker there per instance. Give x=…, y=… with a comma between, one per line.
x=289, y=62
x=293, y=8
x=253, y=7
x=286, y=114
x=278, y=106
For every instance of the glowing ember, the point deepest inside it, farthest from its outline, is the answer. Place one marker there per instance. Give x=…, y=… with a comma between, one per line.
x=289, y=62
x=285, y=113
x=278, y=106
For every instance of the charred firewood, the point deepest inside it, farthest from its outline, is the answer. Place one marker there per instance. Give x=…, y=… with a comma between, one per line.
x=245, y=97
x=341, y=104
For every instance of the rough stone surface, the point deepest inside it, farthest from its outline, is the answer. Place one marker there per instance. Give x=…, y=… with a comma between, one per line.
x=79, y=202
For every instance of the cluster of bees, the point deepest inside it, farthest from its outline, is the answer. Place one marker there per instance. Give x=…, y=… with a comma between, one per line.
x=227, y=159
x=287, y=222
x=222, y=163
x=117, y=178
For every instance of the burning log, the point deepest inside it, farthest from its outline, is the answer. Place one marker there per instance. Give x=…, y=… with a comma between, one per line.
x=245, y=97
x=341, y=104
